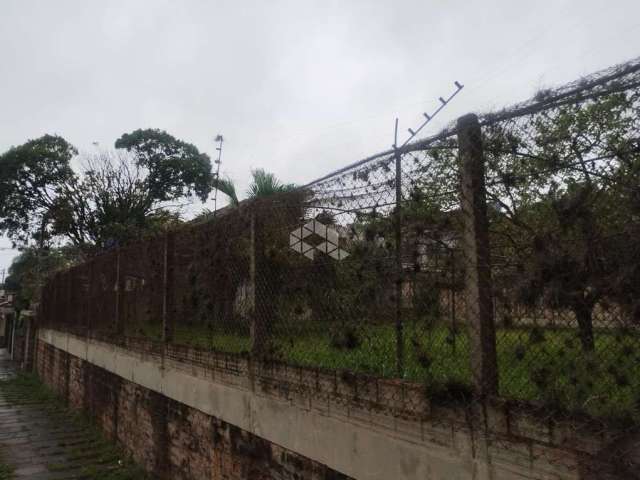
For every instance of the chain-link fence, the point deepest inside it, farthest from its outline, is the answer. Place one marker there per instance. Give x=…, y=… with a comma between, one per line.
x=498, y=258
x=562, y=193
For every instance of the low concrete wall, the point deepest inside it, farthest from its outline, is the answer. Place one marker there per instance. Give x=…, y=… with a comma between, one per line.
x=166, y=437
x=325, y=422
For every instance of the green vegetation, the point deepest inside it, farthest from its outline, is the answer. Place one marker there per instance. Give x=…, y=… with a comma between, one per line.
x=545, y=365
x=114, y=196
x=6, y=471
x=97, y=458
x=263, y=184
x=195, y=336
x=30, y=268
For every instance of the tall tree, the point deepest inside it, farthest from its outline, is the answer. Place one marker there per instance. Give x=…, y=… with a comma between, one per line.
x=32, y=178
x=109, y=202
x=113, y=196
x=175, y=168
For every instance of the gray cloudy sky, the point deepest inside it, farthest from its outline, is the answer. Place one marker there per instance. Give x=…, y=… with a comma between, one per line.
x=297, y=87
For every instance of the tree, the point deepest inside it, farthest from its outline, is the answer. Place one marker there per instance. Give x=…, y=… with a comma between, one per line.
x=264, y=184
x=266, y=220
x=560, y=179
x=110, y=202
x=568, y=265
x=226, y=186
x=29, y=270
x=115, y=196
x=175, y=168
x=32, y=178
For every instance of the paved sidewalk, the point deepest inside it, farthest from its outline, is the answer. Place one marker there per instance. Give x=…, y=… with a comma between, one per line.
x=41, y=439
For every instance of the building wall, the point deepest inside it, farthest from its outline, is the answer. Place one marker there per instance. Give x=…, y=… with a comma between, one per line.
x=191, y=415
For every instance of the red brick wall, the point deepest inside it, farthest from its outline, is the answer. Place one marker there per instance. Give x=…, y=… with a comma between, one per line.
x=166, y=437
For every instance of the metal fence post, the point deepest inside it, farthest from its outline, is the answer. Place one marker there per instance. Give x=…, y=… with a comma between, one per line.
x=479, y=299
x=399, y=269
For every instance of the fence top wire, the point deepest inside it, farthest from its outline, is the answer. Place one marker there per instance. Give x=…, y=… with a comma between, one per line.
x=614, y=79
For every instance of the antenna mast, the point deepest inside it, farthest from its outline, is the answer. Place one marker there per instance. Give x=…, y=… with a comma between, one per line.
x=218, y=139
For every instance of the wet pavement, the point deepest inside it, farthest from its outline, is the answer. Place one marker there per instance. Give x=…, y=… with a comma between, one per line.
x=40, y=439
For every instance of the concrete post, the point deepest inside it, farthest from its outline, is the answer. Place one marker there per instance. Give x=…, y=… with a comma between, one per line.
x=119, y=324
x=257, y=327
x=479, y=297
x=168, y=319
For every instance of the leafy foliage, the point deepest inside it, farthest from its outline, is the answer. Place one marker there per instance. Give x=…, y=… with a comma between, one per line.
x=115, y=196
x=226, y=186
x=175, y=168
x=562, y=188
x=265, y=184
x=110, y=202
x=32, y=177
x=30, y=269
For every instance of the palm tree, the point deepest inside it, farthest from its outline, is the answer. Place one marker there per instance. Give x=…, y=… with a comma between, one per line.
x=263, y=184
x=226, y=186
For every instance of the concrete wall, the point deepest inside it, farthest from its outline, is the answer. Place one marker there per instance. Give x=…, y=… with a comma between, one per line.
x=204, y=415
x=167, y=437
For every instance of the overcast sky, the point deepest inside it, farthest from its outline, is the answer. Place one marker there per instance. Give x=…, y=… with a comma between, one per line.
x=297, y=87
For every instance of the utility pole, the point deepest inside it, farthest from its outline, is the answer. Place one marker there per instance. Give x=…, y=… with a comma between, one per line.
x=218, y=161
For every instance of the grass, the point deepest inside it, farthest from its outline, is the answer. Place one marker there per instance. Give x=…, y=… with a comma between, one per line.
x=546, y=365
x=97, y=458
x=6, y=471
